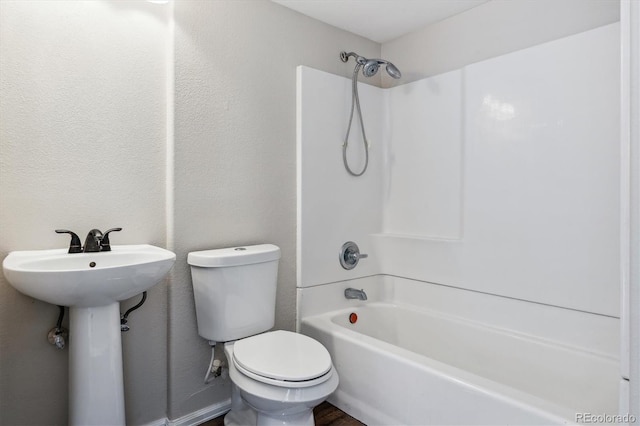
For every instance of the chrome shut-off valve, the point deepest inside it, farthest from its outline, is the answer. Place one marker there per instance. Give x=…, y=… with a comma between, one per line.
x=350, y=255
x=58, y=337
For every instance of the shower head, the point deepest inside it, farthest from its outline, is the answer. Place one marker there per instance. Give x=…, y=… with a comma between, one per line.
x=370, y=66
x=393, y=71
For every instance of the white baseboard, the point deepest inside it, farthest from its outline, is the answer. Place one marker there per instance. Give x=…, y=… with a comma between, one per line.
x=197, y=417
x=158, y=422
x=202, y=415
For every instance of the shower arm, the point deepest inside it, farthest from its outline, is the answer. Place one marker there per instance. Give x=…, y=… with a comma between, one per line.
x=344, y=56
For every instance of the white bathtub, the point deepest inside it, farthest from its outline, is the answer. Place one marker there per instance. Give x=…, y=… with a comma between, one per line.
x=404, y=365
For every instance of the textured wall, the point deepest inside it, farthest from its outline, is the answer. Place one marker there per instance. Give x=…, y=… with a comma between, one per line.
x=82, y=146
x=235, y=161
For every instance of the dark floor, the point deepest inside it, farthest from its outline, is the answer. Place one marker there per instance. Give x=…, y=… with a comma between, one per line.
x=325, y=415
x=328, y=415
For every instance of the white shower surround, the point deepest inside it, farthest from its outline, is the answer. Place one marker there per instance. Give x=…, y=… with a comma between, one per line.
x=501, y=178
x=506, y=166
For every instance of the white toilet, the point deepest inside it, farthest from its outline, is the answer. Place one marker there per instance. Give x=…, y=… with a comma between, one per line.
x=277, y=377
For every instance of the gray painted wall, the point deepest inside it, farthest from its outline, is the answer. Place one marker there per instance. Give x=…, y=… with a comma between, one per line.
x=492, y=29
x=84, y=84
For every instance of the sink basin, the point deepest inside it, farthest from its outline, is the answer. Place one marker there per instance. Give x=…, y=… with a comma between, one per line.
x=87, y=279
x=91, y=285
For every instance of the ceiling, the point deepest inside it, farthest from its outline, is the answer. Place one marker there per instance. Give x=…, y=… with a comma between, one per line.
x=380, y=20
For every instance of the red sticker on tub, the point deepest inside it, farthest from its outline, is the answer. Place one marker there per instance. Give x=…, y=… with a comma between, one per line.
x=353, y=317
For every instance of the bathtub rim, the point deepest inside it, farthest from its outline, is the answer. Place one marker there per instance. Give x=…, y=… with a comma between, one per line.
x=549, y=322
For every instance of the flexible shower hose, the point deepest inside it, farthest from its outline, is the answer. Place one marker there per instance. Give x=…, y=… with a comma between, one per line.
x=355, y=103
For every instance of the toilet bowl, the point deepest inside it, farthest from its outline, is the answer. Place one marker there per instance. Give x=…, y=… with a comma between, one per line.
x=278, y=378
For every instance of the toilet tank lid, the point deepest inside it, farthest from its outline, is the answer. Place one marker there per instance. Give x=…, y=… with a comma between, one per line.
x=234, y=256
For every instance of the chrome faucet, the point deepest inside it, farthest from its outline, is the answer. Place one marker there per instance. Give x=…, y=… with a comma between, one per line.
x=354, y=293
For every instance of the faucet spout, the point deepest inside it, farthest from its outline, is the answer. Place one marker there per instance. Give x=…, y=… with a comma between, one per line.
x=353, y=293
x=93, y=241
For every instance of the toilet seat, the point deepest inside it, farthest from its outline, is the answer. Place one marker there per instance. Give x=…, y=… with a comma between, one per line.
x=283, y=358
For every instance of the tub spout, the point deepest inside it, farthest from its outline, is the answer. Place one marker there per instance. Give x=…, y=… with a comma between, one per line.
x=353, y=293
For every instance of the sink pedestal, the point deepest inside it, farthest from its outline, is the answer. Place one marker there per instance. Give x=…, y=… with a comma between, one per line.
x=96, y=385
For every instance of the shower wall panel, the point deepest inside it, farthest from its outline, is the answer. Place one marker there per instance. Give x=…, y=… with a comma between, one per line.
x=423, y=167
x=542, y=173
x=540, y=167
x=333, y=206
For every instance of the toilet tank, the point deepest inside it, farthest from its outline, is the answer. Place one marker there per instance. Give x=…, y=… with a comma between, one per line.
x=234, y=290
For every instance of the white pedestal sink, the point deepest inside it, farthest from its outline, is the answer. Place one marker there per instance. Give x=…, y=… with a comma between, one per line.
x=91, y=285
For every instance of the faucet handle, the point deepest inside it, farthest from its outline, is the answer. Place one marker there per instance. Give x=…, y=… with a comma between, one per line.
x=358, y=256
x=105, y=245
x=76, y=245
x=350, y=255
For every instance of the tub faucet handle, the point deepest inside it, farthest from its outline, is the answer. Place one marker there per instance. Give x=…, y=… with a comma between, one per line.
x=350, y=255
x=357, y=256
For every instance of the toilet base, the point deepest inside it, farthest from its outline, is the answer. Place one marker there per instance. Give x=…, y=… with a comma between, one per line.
x=249, y=416
x=242, y=414
x=241, y=418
